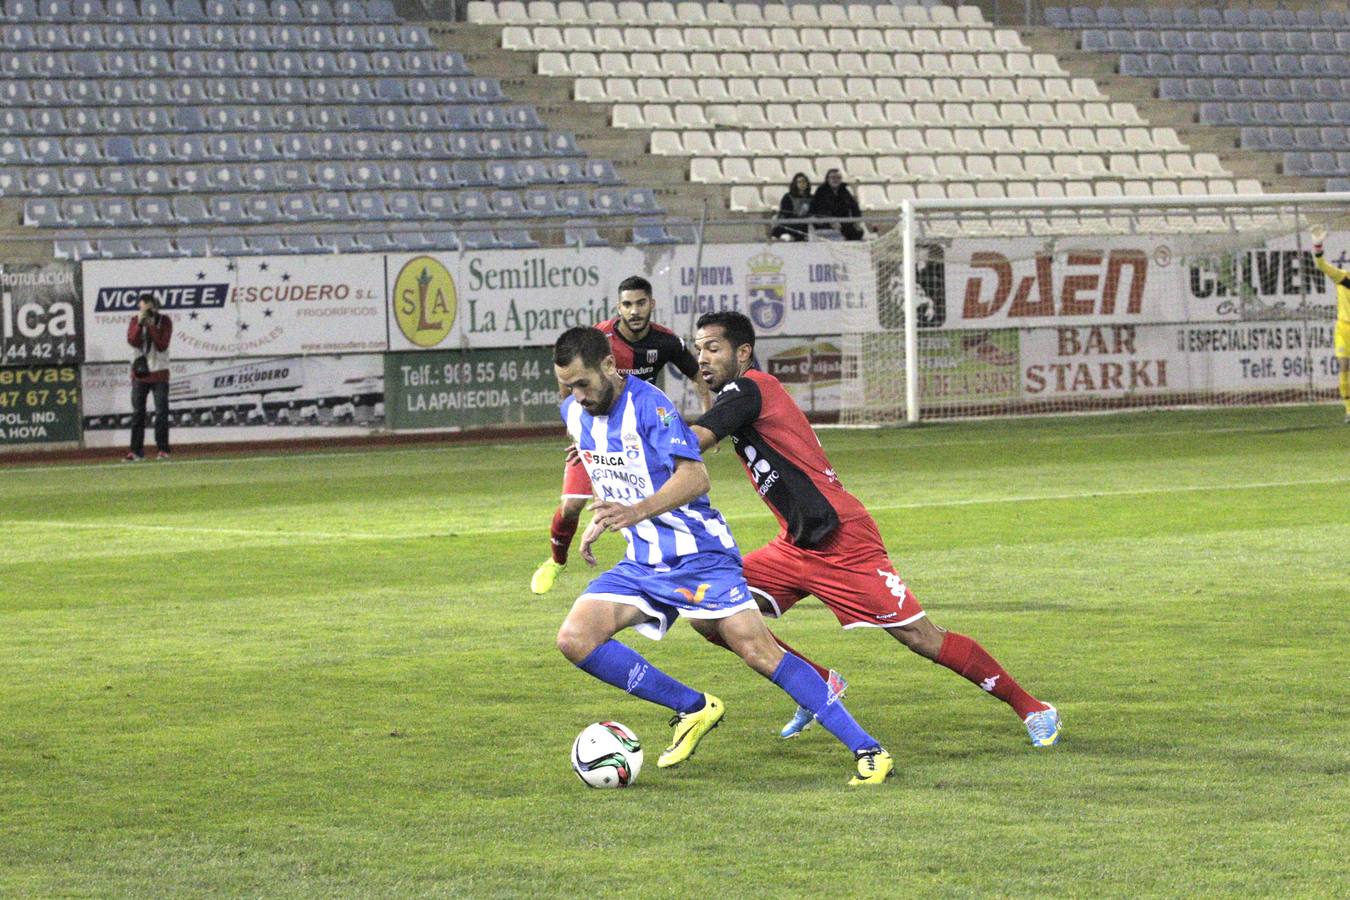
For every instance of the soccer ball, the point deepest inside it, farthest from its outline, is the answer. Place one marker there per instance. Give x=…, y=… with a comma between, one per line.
x=607, y=755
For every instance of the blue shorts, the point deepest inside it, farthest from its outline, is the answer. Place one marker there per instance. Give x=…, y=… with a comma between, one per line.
x=705, y=586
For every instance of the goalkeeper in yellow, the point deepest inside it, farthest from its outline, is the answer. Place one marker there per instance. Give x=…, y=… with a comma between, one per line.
x=1342, y=281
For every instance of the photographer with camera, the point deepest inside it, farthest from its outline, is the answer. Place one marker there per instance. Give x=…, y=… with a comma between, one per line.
x=149, y=334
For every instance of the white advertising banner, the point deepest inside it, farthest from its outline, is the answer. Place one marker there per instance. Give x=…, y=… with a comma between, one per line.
x=1120, y=280
x=1118, y=361
x=515, y=298
x=251, y=306
x=232, y=400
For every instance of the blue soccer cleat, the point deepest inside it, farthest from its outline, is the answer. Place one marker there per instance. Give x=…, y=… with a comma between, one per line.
x=803, y=719
x=1043, y=727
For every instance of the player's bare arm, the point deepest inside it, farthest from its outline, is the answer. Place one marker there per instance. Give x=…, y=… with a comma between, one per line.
x=706, y=439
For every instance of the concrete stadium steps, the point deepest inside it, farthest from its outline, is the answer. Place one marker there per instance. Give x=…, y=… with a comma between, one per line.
x=628, y=149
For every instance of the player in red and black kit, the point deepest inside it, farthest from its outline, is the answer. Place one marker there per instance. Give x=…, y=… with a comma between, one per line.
x=641, y=348
x=829, y=545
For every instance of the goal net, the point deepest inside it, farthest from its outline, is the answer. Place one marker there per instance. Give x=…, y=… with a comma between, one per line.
x=1044, y=308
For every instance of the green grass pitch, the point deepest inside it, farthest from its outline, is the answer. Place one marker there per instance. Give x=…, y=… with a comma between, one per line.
x=325, y=674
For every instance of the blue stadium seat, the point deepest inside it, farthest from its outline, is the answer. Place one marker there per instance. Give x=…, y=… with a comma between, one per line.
x=607, y=201
x=259, y=177
x=120, y=248
x=304, y=244
x=440, y=205
x=507, y=204
x=641, y=200
x=648, y=233
x=601, y=171
x=292, y=176
x=435, y=174
x=583, y=234
x=333, y=176
x=336, y=206
x=467, y=172
x=474, y=205
x=116, y=211
x=80, y=212
x=80, y=181
x=441, y=240
x=229, y=245
x=12, y=182
x=539, y=202
x=515, y=239
x=190, y=211
x=504, y=174
x=46, y=150
x=458, y=118
x=299, y=207
x=42, y=212
x=403, y=205
x=194, y=247
x=224, y=177
x=369, y=207
x=263, y=208
x=400, y=174
x=567, y=171
x=155, y=211
x=575, y=201
x=265, y=244
x=349, y=243
x=486, y=90
x=534, y=172
x=462, y=144
x=482, y=239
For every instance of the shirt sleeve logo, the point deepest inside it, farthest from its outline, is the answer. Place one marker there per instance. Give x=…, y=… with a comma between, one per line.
x=666, y=416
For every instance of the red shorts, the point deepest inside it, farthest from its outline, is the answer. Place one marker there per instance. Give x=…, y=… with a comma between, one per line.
x=576, y=483
x=850, y=573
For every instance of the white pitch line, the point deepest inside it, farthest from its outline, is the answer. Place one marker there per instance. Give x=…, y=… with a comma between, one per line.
x=457, y=533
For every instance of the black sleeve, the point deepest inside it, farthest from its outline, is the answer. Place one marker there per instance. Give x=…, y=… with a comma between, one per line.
x=737, y=406
x=786, y=208
x=677, y=354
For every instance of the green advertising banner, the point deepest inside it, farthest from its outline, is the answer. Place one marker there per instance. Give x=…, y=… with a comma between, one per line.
x=969, y=365
x=39, y=405
x=470, y=388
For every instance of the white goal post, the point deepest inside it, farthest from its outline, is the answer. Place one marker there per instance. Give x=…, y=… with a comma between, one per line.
x=1013, y=306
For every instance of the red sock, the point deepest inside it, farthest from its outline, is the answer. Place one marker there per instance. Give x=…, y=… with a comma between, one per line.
x=823, y=672
x=967, y=658
x=560, y=534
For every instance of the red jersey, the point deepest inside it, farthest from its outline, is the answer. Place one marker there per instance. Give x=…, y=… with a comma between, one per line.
x=783, y=457
x=647, y=357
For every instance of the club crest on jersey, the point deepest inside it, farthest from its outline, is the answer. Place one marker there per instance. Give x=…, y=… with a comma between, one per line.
x=652, y=355
x=766, y=286
x=666, y=416
x=632, y=446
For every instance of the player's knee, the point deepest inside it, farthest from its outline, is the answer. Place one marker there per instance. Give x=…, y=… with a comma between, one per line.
x=571, y=508
x=922, y=636
x=574, y=643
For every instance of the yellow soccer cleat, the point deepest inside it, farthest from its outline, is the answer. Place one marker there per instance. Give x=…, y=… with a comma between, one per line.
x=545, y=576
x=874, y=767
x=690, y=729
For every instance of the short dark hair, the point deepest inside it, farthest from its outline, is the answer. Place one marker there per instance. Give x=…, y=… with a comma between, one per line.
x=735, y=326
x=636, y=283
x=583, y=341
x=148, y=297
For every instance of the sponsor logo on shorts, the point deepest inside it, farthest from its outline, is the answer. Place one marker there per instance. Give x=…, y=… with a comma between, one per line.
x=694, y=596
x=893, y=584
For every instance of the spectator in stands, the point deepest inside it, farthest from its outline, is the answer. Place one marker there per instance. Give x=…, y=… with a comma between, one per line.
x=834, y=201
x=796, y=204
x=149, y=333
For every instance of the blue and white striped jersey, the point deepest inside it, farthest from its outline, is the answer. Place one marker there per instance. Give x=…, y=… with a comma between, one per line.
x=629, y=454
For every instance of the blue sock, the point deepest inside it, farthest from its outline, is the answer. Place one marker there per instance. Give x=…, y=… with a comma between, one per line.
x=622, y=666
x=805, y=685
